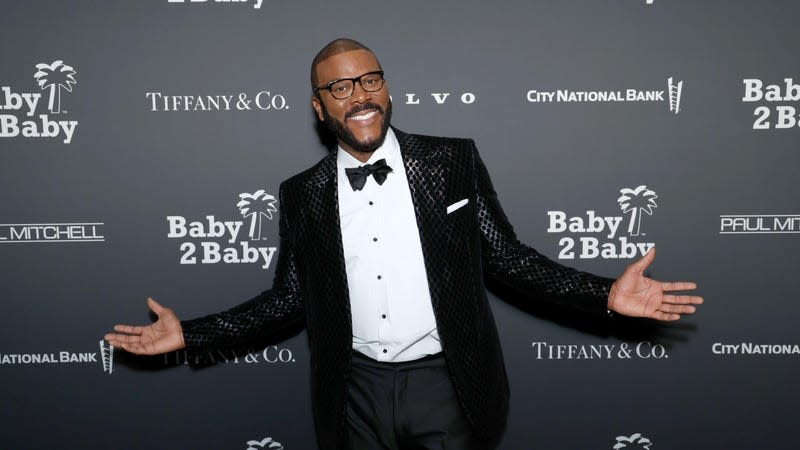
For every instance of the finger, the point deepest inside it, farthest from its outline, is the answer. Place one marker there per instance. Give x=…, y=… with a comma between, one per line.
x=678, y=285
x=683, y=299
x=658, y=315
x=115, y=343
x=154, y=306
x=128, y=329
x=642, y=264
x=676, y=309
x=126, y=338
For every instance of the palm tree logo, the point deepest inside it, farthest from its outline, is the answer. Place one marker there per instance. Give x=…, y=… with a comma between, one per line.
x=637, y=201
x=55, y=76
x=634, y=442
x=255, y=445
x=256, y=206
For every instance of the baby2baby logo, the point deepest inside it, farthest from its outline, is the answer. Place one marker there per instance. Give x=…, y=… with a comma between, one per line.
x=613, y=235
x=209, y=240
x=17, y=109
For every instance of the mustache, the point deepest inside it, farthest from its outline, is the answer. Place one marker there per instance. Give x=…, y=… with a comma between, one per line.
x=363, y=107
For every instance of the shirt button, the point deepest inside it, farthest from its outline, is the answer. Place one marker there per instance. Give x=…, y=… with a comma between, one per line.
x=385, y=351
x=370, y=202
x=374, y=239
x=379, y=277
x=383, y=316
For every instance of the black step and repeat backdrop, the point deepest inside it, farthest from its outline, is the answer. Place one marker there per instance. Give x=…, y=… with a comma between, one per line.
x=143, y=144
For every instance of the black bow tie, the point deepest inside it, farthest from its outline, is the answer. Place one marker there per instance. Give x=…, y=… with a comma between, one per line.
x=358, y=175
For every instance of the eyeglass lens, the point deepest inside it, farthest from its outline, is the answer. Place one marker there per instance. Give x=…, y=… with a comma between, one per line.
x=370, y=82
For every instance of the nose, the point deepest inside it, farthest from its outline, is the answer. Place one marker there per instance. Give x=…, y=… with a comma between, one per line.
x=359, y=94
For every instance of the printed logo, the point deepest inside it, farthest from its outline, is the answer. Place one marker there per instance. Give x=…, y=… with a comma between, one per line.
x=267, y=442
x=263, y=100
x=107, y=356
x=749, y=348
x=781, y=115
x=635, y=202
x=440, y=98
x=675, y=91
x=633, y=442
x=256, y=3
x=270, y=355
x=642, y=350
x=51, y=232
x=759, y=223
x=256, y=208
x=53, y=79
x=672, y=96
x=59, y=357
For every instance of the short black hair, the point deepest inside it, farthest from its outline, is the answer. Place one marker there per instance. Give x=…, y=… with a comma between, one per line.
x=335, y=47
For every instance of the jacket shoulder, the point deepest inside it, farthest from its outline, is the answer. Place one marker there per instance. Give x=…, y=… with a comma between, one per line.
x=311, y=174
x=421, y=145
x=441, y=141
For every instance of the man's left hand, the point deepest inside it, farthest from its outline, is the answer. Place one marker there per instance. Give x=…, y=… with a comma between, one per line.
x=636, y=295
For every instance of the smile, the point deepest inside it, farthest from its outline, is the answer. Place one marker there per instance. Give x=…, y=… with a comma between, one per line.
x=365, y=116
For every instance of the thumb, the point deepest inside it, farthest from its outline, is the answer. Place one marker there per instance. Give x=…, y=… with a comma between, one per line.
x=645, y=261
x=154, y=306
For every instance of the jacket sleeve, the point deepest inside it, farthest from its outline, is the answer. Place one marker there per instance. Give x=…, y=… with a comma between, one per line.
x=522, y=269
x=267, y=313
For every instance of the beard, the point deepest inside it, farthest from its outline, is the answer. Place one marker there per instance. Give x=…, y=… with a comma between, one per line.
x=344, y=134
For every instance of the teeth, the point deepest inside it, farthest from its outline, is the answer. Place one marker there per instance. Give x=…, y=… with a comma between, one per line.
x=364, y=116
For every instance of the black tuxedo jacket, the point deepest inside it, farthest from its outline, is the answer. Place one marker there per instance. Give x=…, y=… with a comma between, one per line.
x=459, y=248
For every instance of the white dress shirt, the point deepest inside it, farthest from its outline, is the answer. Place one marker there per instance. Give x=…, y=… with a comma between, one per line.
x=390, y=302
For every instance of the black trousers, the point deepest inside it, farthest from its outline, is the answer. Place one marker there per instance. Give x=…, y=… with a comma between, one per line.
x=405, y=406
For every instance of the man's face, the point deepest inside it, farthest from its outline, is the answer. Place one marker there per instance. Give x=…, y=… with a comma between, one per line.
x=359, y=122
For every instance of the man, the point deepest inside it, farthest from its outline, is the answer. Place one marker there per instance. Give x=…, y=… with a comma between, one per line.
x=385, y=263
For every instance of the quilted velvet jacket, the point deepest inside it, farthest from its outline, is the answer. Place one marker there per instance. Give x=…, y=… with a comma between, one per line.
x=459, y=248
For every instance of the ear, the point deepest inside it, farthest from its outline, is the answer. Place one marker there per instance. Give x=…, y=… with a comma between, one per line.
x=315, y=103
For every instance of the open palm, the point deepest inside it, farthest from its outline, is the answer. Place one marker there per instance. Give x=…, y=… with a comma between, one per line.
x=636, y=295
x=162, y=336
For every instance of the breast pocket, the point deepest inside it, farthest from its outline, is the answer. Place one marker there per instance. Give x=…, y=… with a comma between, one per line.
x=457, y=205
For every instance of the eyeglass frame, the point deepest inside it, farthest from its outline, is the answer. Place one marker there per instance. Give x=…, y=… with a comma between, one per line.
x=330, y=84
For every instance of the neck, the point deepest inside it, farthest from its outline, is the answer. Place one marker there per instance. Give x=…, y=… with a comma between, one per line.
x=361, y=156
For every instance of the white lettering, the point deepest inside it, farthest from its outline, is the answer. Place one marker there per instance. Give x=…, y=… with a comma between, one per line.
x=177, y=226
x=786, y=117
x=752, y=90
x=439, y=97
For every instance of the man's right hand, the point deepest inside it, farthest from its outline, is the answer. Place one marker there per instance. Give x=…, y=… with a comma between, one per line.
x=162, y=336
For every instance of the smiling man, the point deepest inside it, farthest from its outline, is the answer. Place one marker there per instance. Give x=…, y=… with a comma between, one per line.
x=384, y=246
x=360, y=124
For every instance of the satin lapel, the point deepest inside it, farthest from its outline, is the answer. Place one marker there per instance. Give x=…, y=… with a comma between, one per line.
x=427, y=180
x=328, y=234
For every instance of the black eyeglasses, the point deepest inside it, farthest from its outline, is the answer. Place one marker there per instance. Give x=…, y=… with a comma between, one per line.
x=344, y=87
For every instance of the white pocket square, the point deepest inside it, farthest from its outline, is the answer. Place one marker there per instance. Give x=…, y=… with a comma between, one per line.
x=456, y=205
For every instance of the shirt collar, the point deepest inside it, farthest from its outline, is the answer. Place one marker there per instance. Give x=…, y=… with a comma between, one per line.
x=390, y=150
